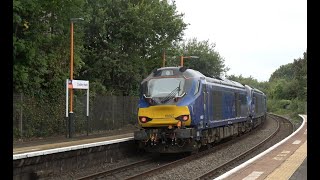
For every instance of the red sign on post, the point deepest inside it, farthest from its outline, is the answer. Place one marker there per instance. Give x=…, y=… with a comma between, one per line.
x=70, y=86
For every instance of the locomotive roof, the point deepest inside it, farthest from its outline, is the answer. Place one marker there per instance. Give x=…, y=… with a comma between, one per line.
x=257, y=90
x=174, y=71
x=183, y=71
x=224, y=82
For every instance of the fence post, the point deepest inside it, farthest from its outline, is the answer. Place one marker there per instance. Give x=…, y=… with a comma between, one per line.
x=21, y=110
x=123, y=110
x=66, y=125
x=112, y=107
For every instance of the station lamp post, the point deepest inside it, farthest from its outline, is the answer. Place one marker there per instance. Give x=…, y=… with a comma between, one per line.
x=71, y=127
x=187, y=57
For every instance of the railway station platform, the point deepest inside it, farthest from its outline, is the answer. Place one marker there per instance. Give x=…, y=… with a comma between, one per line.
x=285, y=160
x=60, y=144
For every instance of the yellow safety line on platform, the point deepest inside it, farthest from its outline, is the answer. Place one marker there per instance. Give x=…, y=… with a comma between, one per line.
x=286, y=170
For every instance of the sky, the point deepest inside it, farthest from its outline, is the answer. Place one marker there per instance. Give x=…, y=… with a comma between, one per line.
x=254, y=37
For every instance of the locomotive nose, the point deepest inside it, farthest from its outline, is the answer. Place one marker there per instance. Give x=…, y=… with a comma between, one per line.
x=166, y=115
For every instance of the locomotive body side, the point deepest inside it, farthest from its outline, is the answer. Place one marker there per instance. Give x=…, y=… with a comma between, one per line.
x=259, y=106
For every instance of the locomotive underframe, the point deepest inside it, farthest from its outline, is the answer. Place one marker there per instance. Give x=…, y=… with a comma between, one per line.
x=188, y=139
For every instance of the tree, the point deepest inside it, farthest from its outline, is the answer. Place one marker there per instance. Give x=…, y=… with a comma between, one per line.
x=283, y=72
x=41, y=45
x=300, y=75
x=124, y=41
x=292, y=78
x=250, y=81
x=209, y=63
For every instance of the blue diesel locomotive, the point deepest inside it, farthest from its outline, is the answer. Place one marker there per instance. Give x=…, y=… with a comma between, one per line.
x=181, y=109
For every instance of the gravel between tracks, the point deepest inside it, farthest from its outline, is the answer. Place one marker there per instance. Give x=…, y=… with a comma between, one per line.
x=107, y=166
x=200, y=166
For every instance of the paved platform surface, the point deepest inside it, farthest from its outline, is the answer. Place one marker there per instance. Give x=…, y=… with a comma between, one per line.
x=61, y=142
x=286, y=161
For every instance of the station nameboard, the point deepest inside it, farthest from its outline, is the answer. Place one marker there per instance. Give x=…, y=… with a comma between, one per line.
x=79, y=84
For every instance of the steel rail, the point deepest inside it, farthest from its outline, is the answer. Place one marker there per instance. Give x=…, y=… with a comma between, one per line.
x=215, y=171
x=115, y=170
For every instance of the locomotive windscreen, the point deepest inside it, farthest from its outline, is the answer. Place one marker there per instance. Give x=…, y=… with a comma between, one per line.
x=164, y=90
x=165, y=86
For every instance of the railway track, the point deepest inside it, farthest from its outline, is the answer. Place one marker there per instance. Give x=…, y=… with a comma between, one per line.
x=215, y=171
x=126, y=171
x=115, y=170
x=227, y=155
x=154, y=166
x=212, y=173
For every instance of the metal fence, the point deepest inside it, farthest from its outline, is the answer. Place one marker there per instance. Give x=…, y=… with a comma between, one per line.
x=41, y=118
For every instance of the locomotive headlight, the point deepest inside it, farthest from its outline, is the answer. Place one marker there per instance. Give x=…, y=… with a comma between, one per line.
x=183, y=118
x=144, y=119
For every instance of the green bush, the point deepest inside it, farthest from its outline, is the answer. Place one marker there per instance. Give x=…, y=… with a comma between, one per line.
x=274, y=105
x=287, y=108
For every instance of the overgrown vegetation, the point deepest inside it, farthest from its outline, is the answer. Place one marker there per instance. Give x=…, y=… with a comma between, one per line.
x=286, y=89
x=115, y=47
